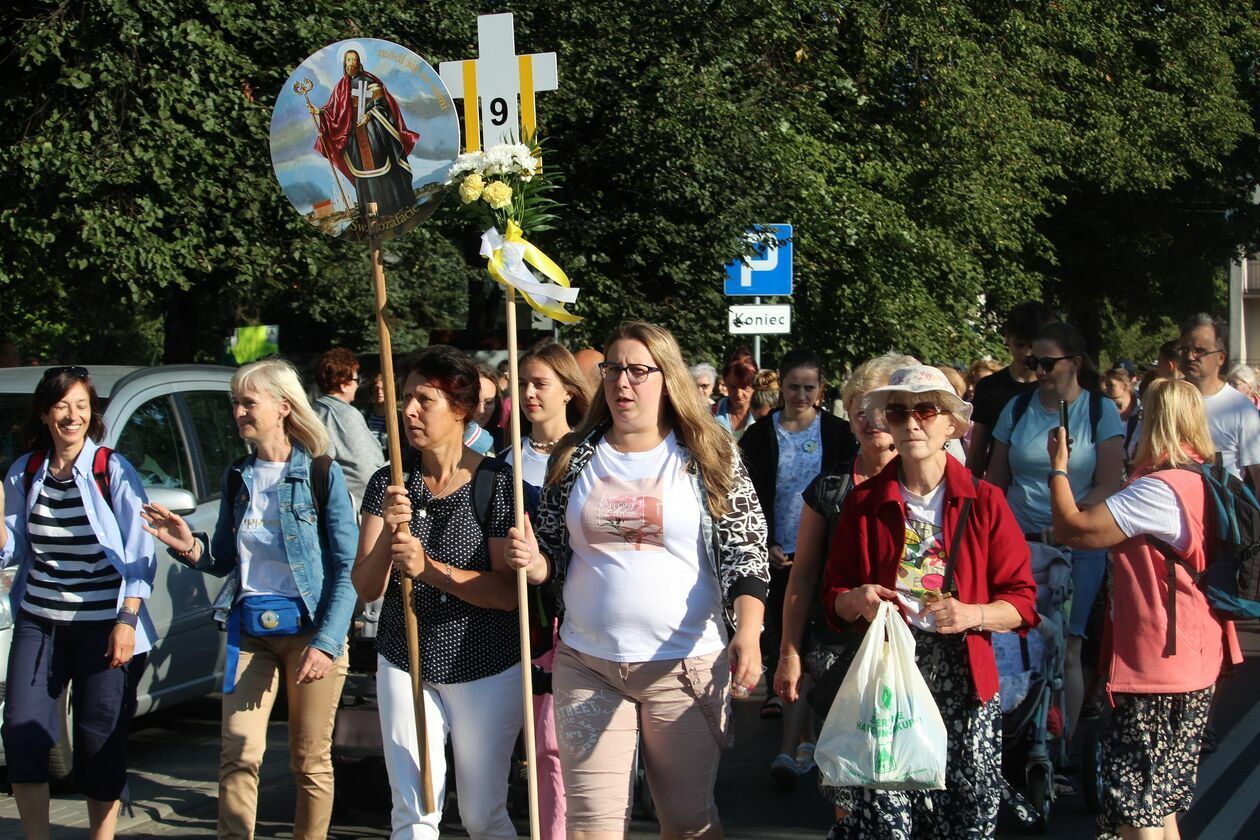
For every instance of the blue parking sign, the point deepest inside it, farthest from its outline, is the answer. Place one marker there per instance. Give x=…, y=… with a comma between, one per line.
x=768, y=271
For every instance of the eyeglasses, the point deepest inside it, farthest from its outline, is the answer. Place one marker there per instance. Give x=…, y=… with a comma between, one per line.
x=70, y=370
x=637, y=374
x=899, y=415
x=1046, y=363
x=1195, y=353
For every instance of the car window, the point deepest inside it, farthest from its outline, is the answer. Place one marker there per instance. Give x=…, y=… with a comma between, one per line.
x=14, y=409
x=151, y=441
x=217, y=434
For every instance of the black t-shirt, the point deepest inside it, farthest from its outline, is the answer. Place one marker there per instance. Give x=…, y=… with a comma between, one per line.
x=459, y=642
x=992, y=395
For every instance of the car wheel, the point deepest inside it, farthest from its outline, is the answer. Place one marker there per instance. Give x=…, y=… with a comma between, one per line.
x=61, y=756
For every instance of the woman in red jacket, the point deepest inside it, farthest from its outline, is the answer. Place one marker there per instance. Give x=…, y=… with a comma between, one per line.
x=892, y=543
x=1162, y=672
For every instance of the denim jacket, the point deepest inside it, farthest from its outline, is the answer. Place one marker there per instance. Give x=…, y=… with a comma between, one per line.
x=127, y=545
x=319, y=557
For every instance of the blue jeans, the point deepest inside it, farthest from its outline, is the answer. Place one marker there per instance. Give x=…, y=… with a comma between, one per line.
x=43, y=659
x=1088, y=570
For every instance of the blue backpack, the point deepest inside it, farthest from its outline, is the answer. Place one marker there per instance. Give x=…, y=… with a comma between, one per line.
x=1231, y=580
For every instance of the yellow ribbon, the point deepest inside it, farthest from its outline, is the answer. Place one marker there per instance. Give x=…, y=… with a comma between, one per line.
x=508, y=257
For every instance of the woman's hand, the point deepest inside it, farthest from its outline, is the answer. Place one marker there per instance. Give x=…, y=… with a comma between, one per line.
x=170, y=529
x=407, y=553
x=522, y=546
x=122, y=644
x=787, y=677
x=744, y=653
x=315, y=665
x=1057, y=446
x=953, y=616
x=862, y=602
x=397, y=507
x=778, y=559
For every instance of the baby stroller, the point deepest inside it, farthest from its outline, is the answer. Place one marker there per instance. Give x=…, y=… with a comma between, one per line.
x=1030, y=670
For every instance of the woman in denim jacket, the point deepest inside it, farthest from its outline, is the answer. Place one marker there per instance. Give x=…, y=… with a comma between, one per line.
x=288, y=600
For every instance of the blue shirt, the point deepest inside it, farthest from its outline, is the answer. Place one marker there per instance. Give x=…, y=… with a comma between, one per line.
x=1028, y=492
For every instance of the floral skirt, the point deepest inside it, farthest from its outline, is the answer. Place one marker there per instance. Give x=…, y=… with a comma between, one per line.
x=1150, y=758
x=968, y=806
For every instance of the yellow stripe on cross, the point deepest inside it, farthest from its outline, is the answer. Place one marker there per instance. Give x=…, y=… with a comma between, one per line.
x=491, y=85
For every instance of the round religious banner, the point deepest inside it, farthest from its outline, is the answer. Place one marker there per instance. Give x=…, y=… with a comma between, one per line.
x=361, y=122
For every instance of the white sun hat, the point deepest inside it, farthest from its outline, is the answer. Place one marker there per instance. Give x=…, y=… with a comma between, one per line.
x=919, y=382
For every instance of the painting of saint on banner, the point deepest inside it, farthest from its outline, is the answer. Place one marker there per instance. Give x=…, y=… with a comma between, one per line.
x=360, y=122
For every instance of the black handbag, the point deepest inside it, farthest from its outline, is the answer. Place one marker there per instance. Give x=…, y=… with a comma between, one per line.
x=839, y=647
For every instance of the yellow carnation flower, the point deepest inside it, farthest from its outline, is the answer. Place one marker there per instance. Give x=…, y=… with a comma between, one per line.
x=498, y=195
x=471, y=188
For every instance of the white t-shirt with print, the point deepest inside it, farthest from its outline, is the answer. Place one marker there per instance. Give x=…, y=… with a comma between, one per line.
x=260, y=541
x=922, y=565
x=639, y=587
x=1234, y=425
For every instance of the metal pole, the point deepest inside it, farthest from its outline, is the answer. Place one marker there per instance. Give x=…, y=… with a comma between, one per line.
x=757, y=342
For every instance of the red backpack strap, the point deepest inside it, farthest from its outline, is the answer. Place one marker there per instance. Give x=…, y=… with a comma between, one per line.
x=32, y=469
x=100, y=473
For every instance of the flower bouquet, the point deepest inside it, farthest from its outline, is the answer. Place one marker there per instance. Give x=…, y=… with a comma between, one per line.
x=503, y=188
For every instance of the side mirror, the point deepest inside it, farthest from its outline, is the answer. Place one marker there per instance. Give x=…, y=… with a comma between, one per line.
x=173, y=499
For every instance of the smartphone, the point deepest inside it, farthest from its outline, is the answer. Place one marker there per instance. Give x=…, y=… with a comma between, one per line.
x=1063, y=422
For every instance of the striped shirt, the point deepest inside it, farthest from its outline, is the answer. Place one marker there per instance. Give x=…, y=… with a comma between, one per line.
x=71, y=579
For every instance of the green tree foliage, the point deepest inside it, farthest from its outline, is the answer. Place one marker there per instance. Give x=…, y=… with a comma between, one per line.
x=939, y=161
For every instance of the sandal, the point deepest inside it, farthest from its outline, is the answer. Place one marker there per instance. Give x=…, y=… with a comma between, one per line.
x=1065, y=785
x=772, y=708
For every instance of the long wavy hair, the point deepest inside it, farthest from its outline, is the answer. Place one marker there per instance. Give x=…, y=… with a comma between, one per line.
x=278, y=378
x=566, y=369
x=1174, y=426
x=710, y=446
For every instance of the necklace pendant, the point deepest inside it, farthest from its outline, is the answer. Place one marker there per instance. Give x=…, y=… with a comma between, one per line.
x=442, y=598
x=422, y=513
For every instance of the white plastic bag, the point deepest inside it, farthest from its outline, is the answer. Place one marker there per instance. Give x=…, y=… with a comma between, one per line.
x=883, y=730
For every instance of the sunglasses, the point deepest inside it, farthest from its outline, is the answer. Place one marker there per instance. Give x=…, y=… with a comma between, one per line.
x=899, y=415
x=1046, y=363
x=70, y=370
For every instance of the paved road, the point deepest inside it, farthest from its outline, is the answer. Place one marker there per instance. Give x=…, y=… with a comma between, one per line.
x=174, y=759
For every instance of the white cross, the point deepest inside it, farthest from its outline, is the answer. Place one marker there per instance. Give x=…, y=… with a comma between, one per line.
x=494, y=81
x=363, y=97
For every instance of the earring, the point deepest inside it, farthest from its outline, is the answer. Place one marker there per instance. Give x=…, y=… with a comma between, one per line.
x=892, y=447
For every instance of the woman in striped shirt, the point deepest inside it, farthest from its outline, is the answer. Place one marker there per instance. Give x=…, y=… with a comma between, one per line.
x=85, y=567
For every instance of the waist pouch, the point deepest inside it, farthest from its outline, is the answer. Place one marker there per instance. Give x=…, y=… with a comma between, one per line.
x=260, y=615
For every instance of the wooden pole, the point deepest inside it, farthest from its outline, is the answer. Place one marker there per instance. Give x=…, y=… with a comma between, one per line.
x=522, y=585
x=396, y=479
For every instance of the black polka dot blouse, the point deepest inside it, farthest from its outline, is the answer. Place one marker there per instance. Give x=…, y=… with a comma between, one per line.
x=459, y=642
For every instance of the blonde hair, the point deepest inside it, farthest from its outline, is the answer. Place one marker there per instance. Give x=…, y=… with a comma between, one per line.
x=278, y=378
x=709, y=445
x=766, y=390
x=982, y=366
x=1174, y=426
x=955, y=378
x=873, y=373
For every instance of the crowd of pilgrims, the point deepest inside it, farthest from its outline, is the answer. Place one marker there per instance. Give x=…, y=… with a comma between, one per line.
x=691, y=532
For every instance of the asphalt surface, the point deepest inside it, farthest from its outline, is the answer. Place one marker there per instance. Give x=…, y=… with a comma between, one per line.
x=174, y=756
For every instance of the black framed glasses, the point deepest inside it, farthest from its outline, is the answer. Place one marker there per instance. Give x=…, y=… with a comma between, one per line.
x=77, y=371
x=1195, y=353
x=898, y=415
x=637, y=374
x=1046, y=363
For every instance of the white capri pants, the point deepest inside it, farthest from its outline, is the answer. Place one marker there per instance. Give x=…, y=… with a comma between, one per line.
x=483, y=719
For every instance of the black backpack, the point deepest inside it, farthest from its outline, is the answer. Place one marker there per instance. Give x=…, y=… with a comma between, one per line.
x=1231, y=580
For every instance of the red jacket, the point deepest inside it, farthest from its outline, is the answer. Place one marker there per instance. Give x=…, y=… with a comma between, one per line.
x=993, y=562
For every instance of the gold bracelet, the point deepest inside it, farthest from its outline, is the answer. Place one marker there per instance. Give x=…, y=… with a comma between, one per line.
x=791, y=656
